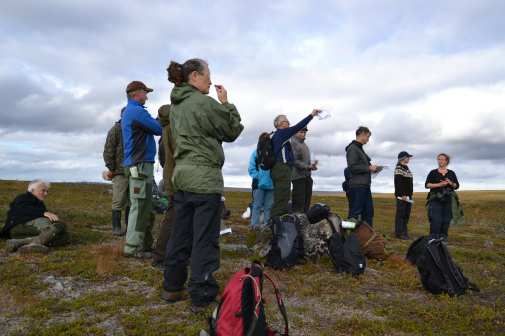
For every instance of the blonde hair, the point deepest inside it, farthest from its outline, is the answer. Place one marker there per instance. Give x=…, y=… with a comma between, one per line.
x=35, y=183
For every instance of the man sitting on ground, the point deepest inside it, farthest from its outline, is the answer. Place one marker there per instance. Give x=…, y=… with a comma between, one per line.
x=30, y=224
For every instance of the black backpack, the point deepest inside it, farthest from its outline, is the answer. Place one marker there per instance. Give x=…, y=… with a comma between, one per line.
x=318, y=212
x=346, y=254
x=265, y=156
x=439, y=273
x=286, y=245
x=416, y=249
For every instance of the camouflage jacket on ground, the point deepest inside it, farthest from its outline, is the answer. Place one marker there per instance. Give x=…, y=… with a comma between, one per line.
x=314, y=237
x=113, y=150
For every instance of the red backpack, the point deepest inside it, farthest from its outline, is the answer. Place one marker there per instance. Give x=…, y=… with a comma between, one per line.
x=241, y=311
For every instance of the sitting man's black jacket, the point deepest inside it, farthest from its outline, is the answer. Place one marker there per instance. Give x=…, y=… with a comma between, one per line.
x=24, y=208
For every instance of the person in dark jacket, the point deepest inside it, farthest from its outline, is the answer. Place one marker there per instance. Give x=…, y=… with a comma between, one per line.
x=360, y=168
x=302, y=172
x=442, y=182
x=166, y=158
x=199, y=125
x=281, y=171
x=404, y=188
x=138, y=130
x=113, y=158
x=30, y=224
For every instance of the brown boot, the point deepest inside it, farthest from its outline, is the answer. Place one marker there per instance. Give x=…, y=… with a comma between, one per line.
x=172, y=297
x=13, y=244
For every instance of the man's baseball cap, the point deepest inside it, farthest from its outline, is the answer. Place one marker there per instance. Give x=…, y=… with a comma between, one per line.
x=403, y=155
x=137, y=85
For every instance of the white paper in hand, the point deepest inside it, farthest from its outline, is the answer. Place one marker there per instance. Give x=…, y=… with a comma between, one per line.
x=323, y=115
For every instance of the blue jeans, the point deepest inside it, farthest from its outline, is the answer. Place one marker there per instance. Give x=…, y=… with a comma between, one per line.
x=361, y=204
x=262, y=199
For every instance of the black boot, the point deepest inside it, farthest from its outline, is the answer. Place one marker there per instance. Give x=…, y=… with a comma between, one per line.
x=116, y=222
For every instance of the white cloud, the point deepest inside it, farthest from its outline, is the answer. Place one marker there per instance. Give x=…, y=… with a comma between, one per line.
x=424, y=80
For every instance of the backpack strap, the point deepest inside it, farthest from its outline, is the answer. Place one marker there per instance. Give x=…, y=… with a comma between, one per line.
x=257, y=293
x=374, y=235
x=473, y=287
x=332, y=227
x=280, y=304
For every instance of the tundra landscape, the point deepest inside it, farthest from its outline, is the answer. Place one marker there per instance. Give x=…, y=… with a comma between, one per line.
x=89, y=288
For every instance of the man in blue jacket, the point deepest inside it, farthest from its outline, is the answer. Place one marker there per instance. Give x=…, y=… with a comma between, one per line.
x=281, y=172
x=138, y=129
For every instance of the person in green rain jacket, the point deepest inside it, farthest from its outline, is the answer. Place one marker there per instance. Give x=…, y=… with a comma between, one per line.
x=199, y=125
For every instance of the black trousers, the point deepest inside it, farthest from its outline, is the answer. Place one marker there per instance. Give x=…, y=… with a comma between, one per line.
x=194, y=241
x=440, y=215
x=301, y=195
x=402, y=217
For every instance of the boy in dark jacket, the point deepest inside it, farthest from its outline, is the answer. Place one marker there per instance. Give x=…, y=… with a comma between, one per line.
x=358, y=162
x=404, y=188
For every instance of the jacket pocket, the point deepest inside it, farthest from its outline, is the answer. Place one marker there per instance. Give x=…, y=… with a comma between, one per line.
x=138, y=188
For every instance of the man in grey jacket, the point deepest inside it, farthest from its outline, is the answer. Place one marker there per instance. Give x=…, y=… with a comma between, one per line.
x=302, y=171
x=358, y=162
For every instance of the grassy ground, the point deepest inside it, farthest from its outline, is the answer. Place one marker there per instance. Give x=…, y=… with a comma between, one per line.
x=88, y=288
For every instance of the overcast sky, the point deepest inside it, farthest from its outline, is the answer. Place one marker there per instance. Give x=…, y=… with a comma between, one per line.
x=424, y=76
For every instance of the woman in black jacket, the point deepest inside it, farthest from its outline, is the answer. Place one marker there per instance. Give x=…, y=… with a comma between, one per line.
x=442, y=182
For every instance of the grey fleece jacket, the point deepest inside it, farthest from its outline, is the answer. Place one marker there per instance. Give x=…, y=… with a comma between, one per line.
x=301, y=155
x=358, y=162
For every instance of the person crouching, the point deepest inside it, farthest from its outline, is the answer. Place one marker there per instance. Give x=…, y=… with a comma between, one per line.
x=31, y=226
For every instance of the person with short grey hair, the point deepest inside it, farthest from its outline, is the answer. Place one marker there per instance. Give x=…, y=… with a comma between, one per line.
x=30, y=224
x=281, y=171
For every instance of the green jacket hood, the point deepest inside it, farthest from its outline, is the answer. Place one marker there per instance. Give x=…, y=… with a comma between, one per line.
x=181, y=92
x=164, y=115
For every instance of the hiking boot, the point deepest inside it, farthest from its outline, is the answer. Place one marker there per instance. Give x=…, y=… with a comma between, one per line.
x=33, y=248
x=13, y=244
x=172, y=297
